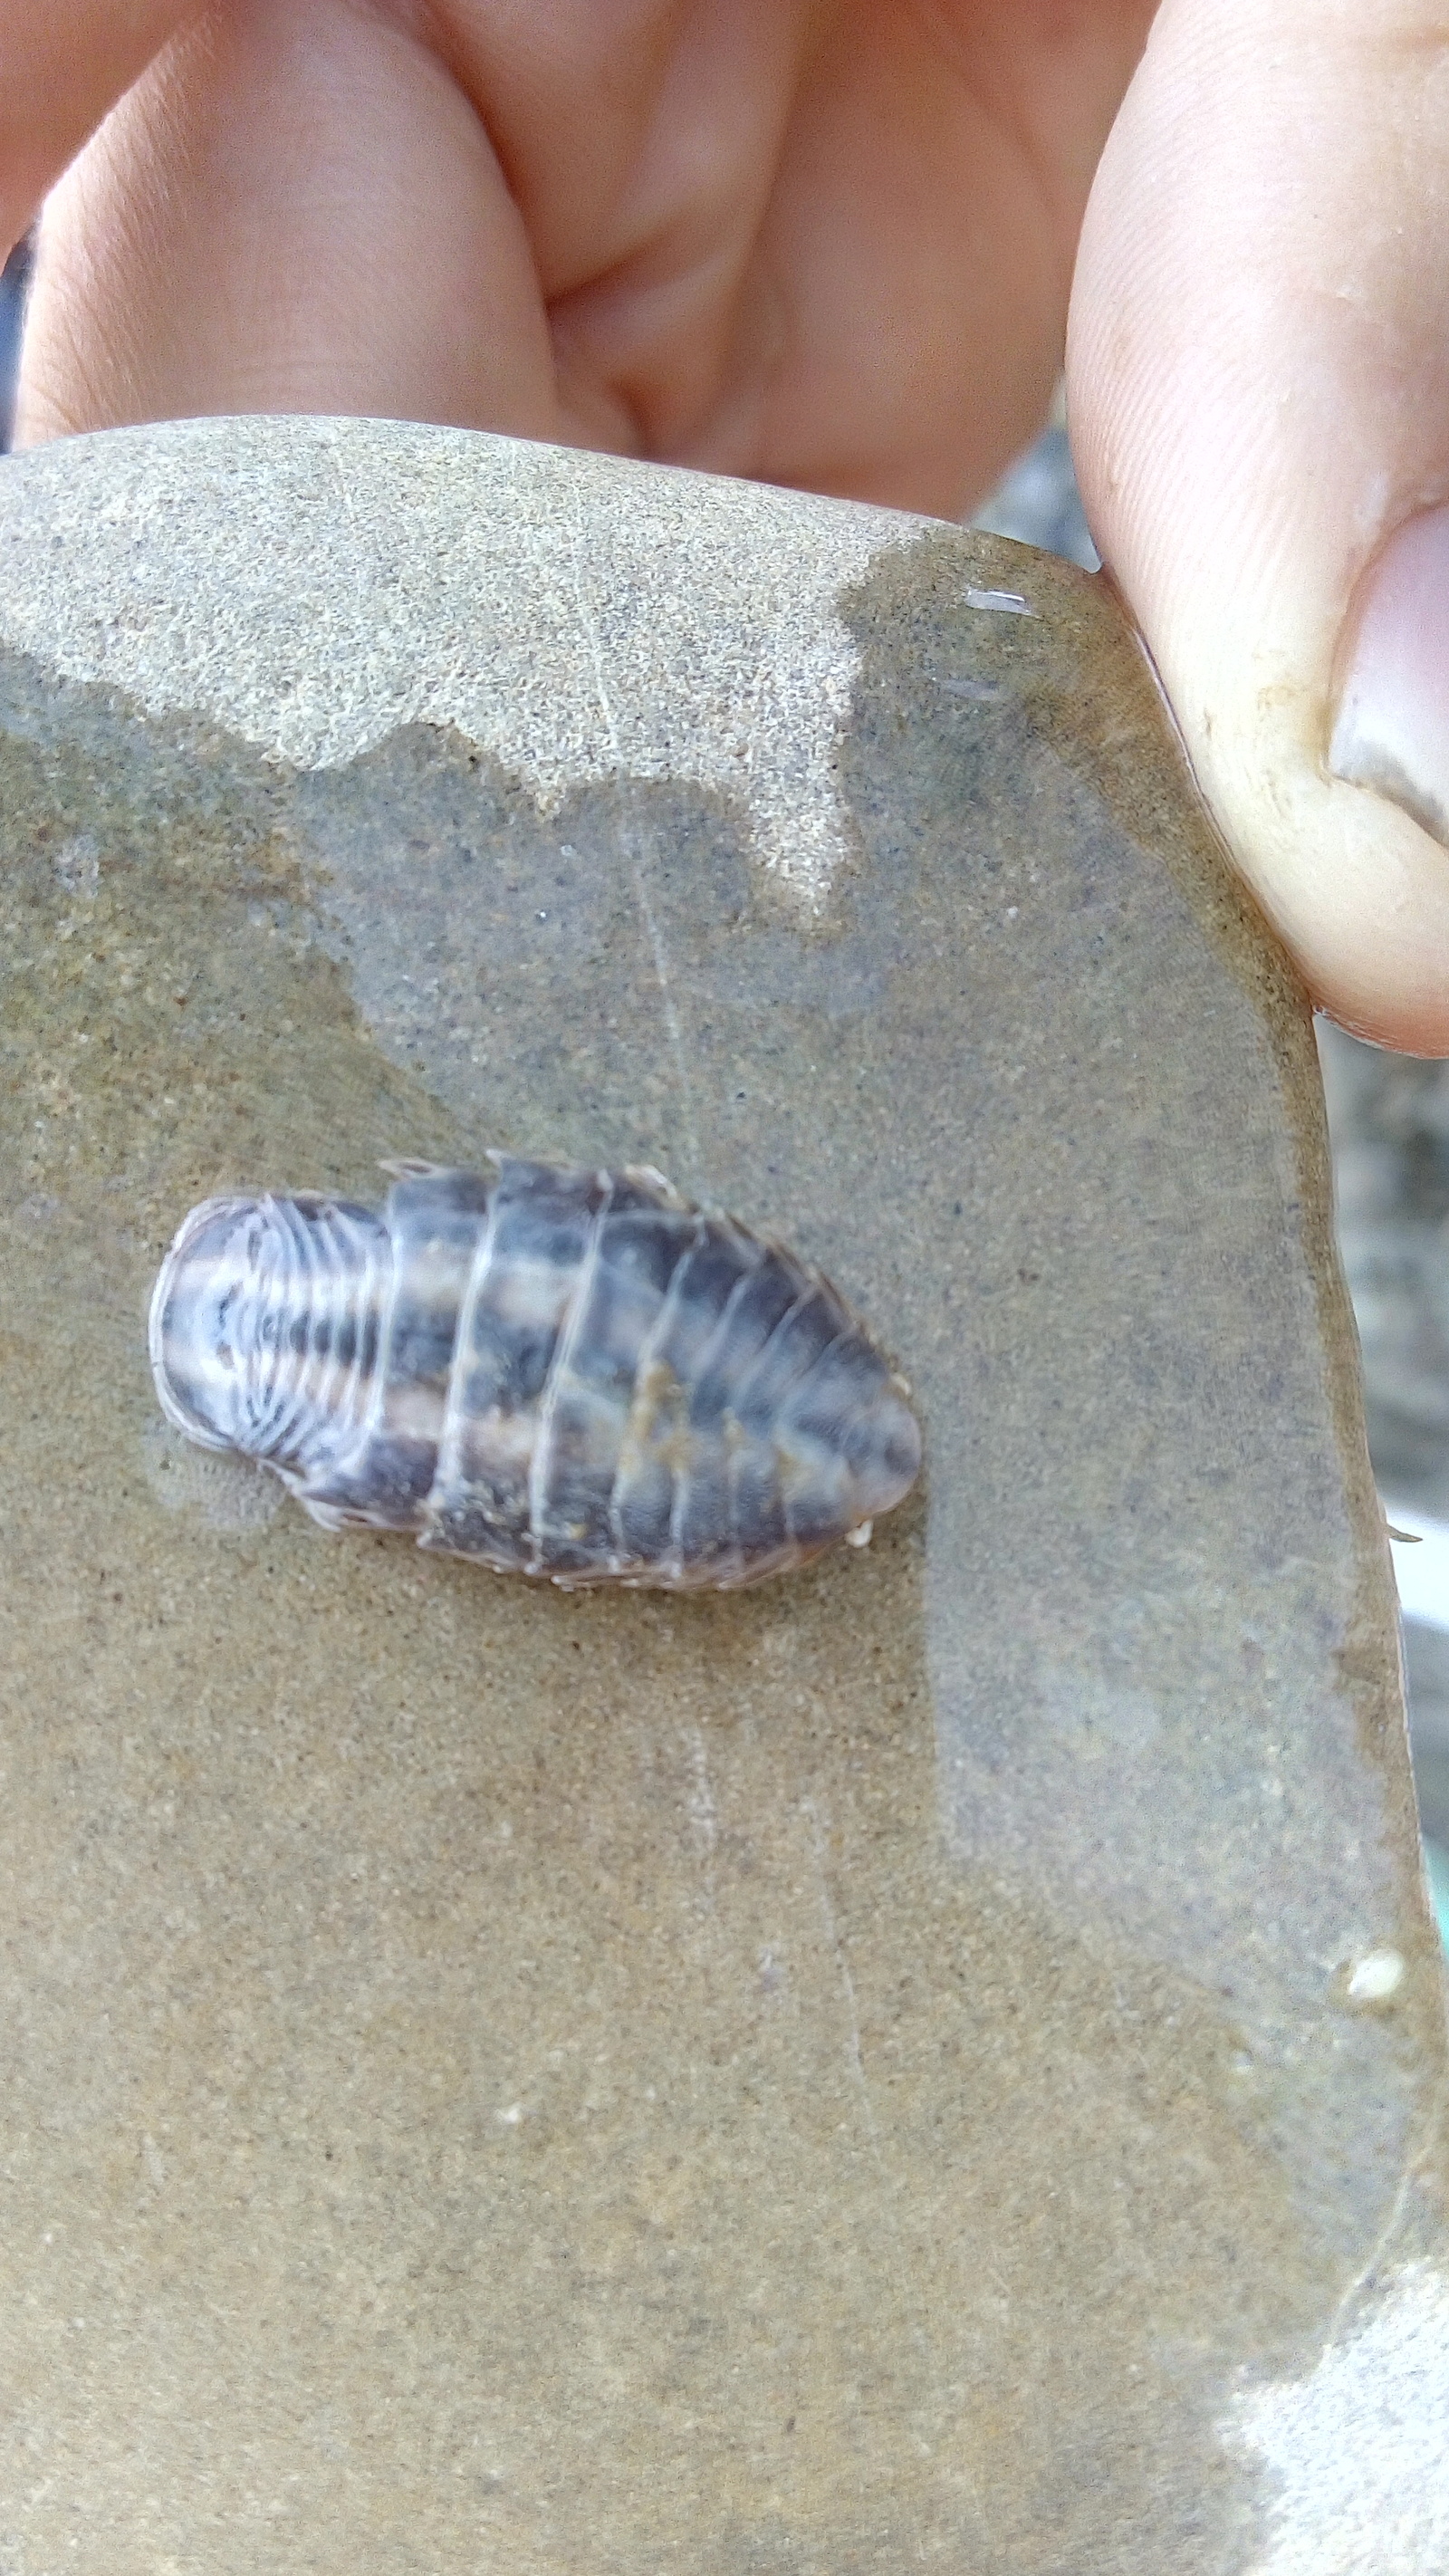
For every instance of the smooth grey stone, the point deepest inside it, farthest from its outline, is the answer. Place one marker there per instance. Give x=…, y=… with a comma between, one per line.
x=933, y=2062
x=1389, y=1116
x=1426, y=1675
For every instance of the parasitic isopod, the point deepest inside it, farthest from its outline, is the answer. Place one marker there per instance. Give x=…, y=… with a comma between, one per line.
x=568, y=1373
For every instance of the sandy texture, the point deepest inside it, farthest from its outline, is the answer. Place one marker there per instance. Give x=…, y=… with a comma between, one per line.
x=356, y=584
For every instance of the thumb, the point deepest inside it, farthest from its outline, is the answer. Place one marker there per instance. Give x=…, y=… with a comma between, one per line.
x=1258, y=377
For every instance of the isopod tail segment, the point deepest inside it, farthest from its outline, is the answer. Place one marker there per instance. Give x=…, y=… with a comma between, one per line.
x=561, y=1372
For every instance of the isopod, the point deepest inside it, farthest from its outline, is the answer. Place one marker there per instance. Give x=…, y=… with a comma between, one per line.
x=568, y=1373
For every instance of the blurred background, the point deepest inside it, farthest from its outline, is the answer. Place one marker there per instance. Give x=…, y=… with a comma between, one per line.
x=12, y=308
x=1389, y=1122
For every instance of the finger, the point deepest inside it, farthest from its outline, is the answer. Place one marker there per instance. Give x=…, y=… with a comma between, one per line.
x=842, y=254
x=1258, y=378
x=295, y=208
x=821, y=241
x=65, y=65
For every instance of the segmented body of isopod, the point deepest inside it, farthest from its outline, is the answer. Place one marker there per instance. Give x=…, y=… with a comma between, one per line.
x=567, y=1373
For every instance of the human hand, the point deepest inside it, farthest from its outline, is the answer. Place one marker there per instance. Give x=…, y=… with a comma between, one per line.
x=831, y=245
x=1258, y=374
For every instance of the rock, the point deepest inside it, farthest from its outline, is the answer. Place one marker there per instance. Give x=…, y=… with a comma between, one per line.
x=931, y=2062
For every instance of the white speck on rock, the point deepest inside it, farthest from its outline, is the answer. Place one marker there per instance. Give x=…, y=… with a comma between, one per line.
x=1007, y=602
x=1372, y=1979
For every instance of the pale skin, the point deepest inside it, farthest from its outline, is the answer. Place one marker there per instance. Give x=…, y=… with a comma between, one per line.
x=839, y=244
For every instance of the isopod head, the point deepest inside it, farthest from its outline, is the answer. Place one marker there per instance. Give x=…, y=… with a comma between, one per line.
x=264, y=1324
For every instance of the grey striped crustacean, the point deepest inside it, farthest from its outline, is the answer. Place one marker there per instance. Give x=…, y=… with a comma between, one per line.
x=568, y=1373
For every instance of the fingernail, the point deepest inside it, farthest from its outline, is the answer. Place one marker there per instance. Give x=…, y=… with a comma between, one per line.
x=1391, y=731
